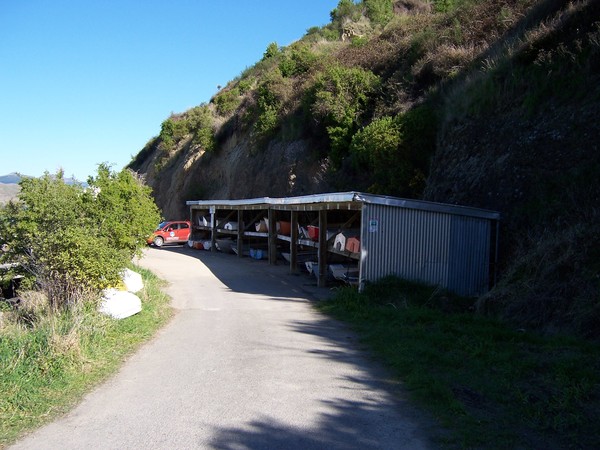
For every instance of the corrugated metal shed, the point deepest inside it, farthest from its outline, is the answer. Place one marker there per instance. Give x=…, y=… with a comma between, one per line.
x=446, y=245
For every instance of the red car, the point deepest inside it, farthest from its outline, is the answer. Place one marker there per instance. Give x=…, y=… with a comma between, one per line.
x=171, y=232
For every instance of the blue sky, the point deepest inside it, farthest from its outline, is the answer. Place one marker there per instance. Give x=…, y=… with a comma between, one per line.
x=84, y=82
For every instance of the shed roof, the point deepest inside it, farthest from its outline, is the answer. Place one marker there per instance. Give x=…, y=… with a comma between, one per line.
x=350, y=200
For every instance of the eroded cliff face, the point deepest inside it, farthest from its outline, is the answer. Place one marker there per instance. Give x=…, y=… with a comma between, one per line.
x=233, y=172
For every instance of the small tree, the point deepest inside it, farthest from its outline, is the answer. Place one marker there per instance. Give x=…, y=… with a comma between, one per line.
x=122, y=208
x=271, y=51
x=380, y=12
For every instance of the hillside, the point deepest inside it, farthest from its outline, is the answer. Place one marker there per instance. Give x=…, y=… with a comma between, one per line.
x=8, y=192
x=492, y=104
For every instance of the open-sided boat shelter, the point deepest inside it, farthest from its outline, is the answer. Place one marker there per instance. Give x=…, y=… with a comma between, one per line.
x=454, y=247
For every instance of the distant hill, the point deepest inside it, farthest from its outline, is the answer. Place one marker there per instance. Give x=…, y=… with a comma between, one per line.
x=8, y=191
x=11, y=178
x=15, y=178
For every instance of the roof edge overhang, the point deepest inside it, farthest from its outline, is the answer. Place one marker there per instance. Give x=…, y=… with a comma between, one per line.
x=350, y=197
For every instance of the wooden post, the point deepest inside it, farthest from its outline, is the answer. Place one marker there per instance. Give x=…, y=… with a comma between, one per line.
x=240, y=233
x=322, y=248
x=272, y=238
x=213, y=229
x=294, y=243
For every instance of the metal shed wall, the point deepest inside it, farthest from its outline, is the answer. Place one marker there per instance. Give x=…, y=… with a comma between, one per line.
x=449, y=250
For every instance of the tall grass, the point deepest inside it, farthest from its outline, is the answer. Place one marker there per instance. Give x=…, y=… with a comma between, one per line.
x=492, y=386
x=48, y=360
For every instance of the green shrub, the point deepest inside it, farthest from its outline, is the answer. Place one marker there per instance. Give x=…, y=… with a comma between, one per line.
x=375, y=149
x=271, y=51
x=446, y=6
x=246, y=84
x=200, y=122
x=345, y=10
x=396, y=151
x=227, y=101
x=287, y=66
x=374, y=144
x=173, y=130
x=329, y=33
x=359, y=41
x=272, y=93
x=380, y=12
x=72, y=240
x=337, y=101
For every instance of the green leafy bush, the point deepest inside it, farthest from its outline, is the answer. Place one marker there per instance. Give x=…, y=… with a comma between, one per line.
x=345, y=10
x=200, y=122
x=297, y=60
x=74, y=241
x=337, y=101
x=380, y=12
x=173, y=130
x=396, y=151
x=271, y=51
x=227, y=101
x=246, y=84
x=271, y=95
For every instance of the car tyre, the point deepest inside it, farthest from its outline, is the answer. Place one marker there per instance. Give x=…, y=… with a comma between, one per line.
x=159, y=241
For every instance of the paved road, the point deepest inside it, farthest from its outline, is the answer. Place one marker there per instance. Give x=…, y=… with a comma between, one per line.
x=245, y=364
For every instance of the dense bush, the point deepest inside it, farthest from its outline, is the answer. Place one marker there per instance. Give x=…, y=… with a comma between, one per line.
x=227, y=101
x=346, y=10
x=271, y=95
x=375, y=149
x=396, y=151
x=380, y=12
x=271, y=51
x=338, y=100
x=73, y=241
x=200, y=122
x=172, y=130
x=296, y=60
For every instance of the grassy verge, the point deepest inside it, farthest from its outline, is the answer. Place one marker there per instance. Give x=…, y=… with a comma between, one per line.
x=48, y=362
x=490, y=385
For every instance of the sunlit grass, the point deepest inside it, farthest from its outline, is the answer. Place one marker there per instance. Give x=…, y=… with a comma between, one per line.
x=50, y=361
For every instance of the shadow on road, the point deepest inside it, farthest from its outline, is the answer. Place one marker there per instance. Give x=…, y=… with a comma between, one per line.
x=335, y=431
x=381, y=419
x=235, y=273
x=384, y=419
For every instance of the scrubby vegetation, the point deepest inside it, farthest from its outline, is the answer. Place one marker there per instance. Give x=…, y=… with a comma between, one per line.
x=69, y=242
x=50, y=358
x=489, y=103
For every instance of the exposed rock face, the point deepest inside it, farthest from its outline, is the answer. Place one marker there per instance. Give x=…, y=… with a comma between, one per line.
x=234, y=172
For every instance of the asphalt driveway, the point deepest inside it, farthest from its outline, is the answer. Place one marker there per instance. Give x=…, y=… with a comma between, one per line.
x=246, y=363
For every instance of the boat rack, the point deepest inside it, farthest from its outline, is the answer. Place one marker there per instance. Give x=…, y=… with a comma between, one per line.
x=450, y=246
x=281, y=227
